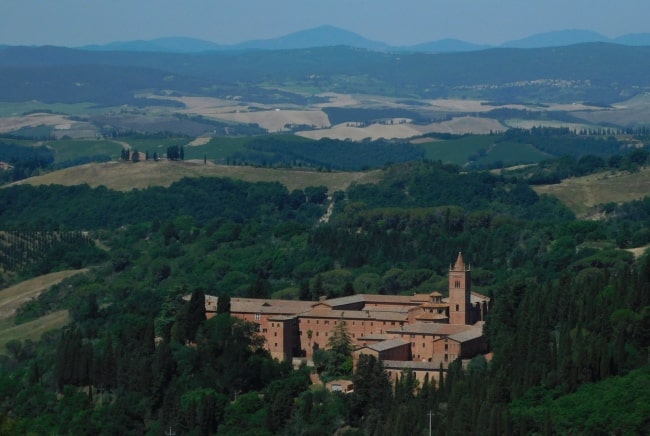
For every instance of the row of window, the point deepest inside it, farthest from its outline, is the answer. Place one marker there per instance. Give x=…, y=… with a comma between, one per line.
x=418, y=357
x=401, y=323
x=424, y=345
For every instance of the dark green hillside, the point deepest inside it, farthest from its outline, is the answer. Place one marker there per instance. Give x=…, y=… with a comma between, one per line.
x=616, y=405
x=81, y=207
x=325, y=153
x=597, y=73
x=570, y=313
x=100, y=84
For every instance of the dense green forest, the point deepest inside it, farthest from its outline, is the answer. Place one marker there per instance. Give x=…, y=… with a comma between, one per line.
x=569, y=328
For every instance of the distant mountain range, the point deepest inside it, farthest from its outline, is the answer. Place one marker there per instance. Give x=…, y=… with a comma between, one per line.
x=599, y=73
x=326, y=36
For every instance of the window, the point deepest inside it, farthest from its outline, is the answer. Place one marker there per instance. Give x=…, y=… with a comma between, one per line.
x=457, y=308
x=258, y=316
x=446, y=347
x=275, y=333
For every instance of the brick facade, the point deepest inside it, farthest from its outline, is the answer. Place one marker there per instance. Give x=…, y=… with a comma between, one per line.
x=425, y=329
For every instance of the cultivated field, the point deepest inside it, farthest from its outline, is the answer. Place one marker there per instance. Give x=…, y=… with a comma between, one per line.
x=31, y=330
x=124, y=176
x=580, y=194
x=13, y=297
x=398, y=130
x=9, y=124
x=277, y=119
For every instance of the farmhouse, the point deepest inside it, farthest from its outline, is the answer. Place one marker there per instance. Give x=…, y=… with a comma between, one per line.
x=422, y=331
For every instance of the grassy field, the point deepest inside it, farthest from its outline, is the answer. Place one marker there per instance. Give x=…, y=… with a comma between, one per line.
x=8, y=109
x=580, y=194
x=217, y=148
x=66, y=150
x=509, y=152
x=12, y=297
x=457, y=151
x=124, y=176
x=482, y=148
x=31, y=330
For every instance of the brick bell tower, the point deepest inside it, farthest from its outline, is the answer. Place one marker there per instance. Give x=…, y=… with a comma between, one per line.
x=460, y=287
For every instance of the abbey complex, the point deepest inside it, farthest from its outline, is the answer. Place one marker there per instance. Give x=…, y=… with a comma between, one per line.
x=421, y=332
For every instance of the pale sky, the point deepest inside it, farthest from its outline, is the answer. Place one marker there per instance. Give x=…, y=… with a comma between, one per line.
x=405, y=22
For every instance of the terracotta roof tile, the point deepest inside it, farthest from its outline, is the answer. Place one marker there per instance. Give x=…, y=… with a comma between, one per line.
x=388, y=344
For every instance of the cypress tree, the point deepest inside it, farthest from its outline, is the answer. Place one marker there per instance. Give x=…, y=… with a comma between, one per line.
x=223, y=304
x=195, y=313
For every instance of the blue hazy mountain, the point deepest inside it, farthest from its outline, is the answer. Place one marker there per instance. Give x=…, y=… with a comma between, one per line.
x=562, y=38
x=556, y=39
x=447, y=45
x=327, y=36
x=162, y=45
x=323, y=36
x=641, y=39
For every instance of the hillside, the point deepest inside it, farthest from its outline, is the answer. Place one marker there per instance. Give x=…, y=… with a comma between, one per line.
x=326, y=92
x=581, y=194
x=14, y=296
x=223, y=188
x=593, y=72
x=129, y=323
x=124, y=176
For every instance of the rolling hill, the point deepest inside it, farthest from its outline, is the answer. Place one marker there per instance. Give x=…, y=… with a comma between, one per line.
x=592, y=72
x=124, y=176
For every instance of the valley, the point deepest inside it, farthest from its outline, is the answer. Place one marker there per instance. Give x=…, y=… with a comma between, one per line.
x=224, y=241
